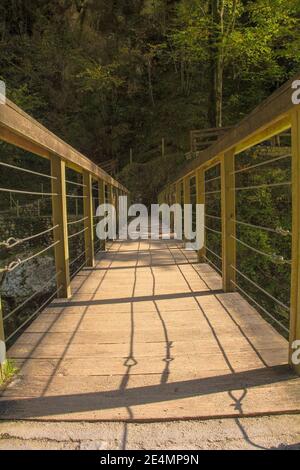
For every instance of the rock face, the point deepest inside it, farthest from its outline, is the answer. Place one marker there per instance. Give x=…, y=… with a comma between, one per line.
x=29, y=278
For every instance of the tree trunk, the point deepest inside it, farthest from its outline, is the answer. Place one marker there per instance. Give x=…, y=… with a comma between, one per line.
x=216, y=63
x=149, y=68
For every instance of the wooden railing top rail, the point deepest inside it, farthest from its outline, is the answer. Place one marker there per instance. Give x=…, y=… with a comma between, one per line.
x=271, y=116
x=202, y=138
x=20, y=129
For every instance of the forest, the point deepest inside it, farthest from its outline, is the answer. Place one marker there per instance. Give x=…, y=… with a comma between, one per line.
x=114, y=77
x=117, y=78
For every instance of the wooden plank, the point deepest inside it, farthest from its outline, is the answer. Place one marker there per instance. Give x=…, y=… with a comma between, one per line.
x=89, y=221
x=228, y=225
x=10, y=137
x=201, y=139
x=295, y=276
x=208, y=355
x=60, y=219
x=144, y=398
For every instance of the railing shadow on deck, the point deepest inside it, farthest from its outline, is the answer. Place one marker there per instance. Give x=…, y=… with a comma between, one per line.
x=142, y=298
x=84, y=402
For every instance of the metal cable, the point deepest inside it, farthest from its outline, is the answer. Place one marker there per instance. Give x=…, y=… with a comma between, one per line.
x=260, y=288
x=212, y=192
x=12, y=242
x=32, y=193
x=79, y=269
x=27, y=171
x=278, y=230
x=212, y=230
x=213, y=253
x=261, y=307
x=77, y=221
x=75, y=197
x=25, y=206
x=31, y=297
x=261, y=186
x=213, y=179
x=260, y=164
x=77, y=233
x=275, y=258
x=213, y=217
x=33, y=315
x=77, y=258
x=76, y=184
x=15, y=264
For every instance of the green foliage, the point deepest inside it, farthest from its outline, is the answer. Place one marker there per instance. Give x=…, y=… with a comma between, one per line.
x=7, y=371
x=110, y=76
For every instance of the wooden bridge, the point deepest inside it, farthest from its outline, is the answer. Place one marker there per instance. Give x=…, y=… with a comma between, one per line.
x=146, y=330
x=149, y=334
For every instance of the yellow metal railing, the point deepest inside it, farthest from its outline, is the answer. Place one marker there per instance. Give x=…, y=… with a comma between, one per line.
x=270, y=121
x=74, y=187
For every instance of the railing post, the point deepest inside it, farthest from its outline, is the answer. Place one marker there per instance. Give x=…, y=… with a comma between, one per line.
x=101, y=200
x=177, y=193
x=228, y=224
x=200, y=182
x=2, y=339
x=186, y=190
x=59, y=216
x=115, y=203
x=186, y=200
x=295, y=276
x=88, y=222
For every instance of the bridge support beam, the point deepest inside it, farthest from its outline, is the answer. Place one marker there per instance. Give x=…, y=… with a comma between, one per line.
x=295, y=278
x=60, y=219
x=89, y=221
x=228, y=225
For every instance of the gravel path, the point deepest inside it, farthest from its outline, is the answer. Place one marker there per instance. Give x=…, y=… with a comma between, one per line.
x=277, y=432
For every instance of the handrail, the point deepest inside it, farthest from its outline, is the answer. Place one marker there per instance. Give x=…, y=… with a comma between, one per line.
x=272, y=117
x=20, y=129
x=266, y=120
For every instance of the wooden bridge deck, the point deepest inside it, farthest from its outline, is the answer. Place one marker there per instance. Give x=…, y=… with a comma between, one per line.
x=149, y=335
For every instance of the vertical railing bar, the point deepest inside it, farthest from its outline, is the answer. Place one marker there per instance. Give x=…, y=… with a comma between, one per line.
x=2, y=341
x=88, y=223
x=295, y=272
x=101, y=195
x=186, y=200
x=228, y=217
x=59, y=215
x=200, y=181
